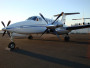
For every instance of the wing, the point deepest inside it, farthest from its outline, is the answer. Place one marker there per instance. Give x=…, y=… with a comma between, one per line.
x=77, y=27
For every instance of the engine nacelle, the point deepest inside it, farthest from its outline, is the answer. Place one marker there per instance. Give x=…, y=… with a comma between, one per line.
x=53, y=26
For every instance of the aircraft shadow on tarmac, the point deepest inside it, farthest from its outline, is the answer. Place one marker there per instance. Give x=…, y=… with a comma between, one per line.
x=80, y=42
x=71, y=41
x=75, y=42
x=51, y=59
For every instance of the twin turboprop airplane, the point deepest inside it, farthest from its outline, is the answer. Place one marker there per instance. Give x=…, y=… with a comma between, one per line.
x=41, y=25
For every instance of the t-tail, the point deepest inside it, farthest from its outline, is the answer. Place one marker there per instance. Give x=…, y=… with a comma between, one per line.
x=64, y=16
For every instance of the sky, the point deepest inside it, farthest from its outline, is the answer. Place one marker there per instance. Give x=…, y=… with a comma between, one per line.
x=20, y=10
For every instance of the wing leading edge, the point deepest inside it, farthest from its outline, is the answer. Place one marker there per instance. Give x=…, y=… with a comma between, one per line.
x=77, y=27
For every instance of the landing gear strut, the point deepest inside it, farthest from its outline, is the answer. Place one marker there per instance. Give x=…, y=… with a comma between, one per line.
x=11, y=44
x=66, y=38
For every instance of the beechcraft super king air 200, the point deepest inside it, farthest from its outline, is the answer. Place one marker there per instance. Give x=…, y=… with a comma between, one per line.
x=41, y=25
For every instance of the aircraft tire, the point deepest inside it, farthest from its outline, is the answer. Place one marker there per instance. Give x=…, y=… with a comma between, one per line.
x=11, y=45
x=30, y=37
x=66, y=38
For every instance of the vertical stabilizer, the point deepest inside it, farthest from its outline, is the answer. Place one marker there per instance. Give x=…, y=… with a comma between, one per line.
x=64, y=16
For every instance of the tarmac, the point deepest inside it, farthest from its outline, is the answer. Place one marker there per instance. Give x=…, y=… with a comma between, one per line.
x=46, y=52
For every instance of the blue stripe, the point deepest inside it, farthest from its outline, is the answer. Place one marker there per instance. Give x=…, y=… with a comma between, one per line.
x=24, y=26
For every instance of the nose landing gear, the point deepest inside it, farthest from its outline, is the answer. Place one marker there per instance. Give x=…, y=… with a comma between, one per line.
x=11, y=44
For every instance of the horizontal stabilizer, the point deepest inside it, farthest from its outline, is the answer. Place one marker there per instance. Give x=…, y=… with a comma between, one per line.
x=72, y=13
x=68, y=14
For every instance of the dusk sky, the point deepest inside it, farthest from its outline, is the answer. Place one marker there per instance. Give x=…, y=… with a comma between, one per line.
x=19, y=10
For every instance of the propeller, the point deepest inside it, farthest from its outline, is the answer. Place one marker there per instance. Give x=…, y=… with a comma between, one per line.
x=43, y=18
x=51, y=23
x=58, y=17
x=3, y=23
x=4, y=27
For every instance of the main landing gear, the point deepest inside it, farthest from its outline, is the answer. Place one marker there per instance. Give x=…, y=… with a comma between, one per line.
x=67, y=38
x=11, y=44
x=30, y=37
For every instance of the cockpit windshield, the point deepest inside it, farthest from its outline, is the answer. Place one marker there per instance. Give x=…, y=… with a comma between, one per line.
x=32, y=18
x=35, y=18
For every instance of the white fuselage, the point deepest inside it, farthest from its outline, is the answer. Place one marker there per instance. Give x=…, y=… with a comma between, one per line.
x=33, y=27
x=26, y=27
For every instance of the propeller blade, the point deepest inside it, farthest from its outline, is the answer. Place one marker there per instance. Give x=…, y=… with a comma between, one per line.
x=44, y=32
x=8, y=23
x=57, y=17
x=4, y=33
x=8, y=33
x=51, y=23
x=43, y=18
x=3, y=23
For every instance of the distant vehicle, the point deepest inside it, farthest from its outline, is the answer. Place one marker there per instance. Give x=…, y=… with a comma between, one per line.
x=41, y=25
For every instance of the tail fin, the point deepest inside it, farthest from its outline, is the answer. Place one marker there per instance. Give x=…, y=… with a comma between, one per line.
x=64, y=16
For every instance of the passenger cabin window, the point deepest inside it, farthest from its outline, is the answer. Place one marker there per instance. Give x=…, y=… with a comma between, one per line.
x=34, y=18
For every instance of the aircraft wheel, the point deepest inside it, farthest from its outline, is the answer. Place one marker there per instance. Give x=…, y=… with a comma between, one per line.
x=30, y=37
x=11, y=45
x=67, y=38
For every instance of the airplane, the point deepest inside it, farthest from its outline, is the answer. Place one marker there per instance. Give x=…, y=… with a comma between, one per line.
x=41, y=25
x=83, y=20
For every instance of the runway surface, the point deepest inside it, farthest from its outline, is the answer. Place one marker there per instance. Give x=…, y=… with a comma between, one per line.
x=46, y=52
